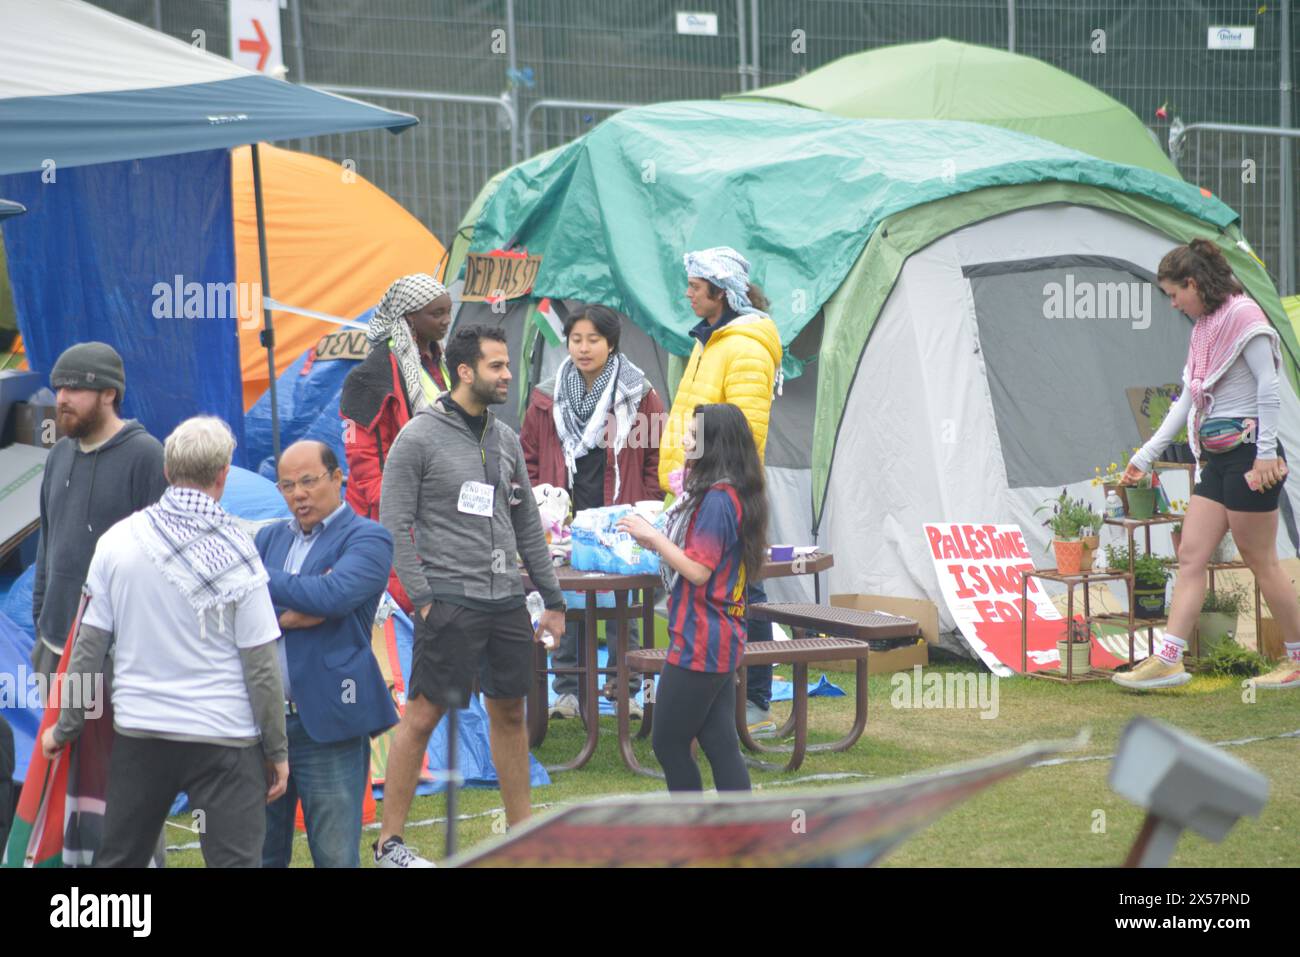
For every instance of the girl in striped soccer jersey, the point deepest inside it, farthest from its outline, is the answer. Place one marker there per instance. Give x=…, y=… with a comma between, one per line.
x=714, y=543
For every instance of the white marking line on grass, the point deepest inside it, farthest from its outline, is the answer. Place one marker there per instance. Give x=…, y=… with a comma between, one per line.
x=1218, y=744
x=300, y=836
x=836, y=776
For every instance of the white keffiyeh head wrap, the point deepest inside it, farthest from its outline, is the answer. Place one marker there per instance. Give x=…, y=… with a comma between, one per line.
x=405, y=296
x=726, y=269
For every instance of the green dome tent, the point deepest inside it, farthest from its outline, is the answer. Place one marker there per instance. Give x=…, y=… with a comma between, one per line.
x=946, y=80
x=912, y=266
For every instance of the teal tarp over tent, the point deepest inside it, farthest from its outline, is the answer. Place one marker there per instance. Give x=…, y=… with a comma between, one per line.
x=805, y=190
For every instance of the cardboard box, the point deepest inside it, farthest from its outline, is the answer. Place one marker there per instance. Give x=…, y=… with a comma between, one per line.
x=1269, y=641
x=924, y=613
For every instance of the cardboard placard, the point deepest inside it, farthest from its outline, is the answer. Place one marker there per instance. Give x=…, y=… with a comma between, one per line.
x=344, y=344
x=1150, y=405
x=846, y=826
x=979, y=569
x=499, y=275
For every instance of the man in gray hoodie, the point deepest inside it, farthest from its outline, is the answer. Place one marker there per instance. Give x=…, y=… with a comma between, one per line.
x=458, y=504
x=101, y=471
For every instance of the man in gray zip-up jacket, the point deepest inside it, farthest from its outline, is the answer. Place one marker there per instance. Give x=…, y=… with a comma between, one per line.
x=458, y=504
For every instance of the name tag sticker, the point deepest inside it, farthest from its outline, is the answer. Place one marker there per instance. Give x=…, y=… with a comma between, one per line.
x=476, y=499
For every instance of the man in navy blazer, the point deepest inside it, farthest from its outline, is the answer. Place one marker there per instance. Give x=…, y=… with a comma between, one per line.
x=328, y=568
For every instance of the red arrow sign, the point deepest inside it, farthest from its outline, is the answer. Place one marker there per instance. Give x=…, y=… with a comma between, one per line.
x=261, y=45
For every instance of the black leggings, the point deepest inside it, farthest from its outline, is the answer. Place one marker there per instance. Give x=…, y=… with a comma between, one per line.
x=698, y=705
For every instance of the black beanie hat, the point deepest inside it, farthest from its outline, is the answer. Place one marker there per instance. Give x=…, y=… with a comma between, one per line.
x=89, y=365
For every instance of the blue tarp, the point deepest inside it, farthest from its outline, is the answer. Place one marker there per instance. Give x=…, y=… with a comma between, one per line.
x=308, y=406
x=17, y=693
x=99, y=256
x=17, y=602
x=249, y=495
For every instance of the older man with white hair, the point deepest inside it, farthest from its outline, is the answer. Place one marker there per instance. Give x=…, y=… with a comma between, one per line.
x=197, y=698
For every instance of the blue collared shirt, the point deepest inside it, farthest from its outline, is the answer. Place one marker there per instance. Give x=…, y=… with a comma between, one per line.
x=293, y=562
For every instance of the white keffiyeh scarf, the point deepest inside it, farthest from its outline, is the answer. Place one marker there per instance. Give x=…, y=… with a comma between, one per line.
x=200, y=549
x=621, y=393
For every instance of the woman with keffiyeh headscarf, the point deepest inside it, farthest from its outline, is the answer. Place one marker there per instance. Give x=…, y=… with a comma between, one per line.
x=592, y=429
x=403, y=372
x=1230, y=404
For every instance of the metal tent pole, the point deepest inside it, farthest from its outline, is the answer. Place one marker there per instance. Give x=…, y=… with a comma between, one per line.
x=268, y=331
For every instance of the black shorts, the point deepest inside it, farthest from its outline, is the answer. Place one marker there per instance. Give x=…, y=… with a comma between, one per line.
x=455, y=644
x=1223, y=480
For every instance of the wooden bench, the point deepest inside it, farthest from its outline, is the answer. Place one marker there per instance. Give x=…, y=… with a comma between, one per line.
x=850, y=629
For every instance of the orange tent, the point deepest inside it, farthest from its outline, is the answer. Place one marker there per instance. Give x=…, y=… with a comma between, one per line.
x=335, y=242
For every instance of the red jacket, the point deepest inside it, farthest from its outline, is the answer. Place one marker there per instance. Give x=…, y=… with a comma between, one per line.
x=638, y=467
x=375, y=406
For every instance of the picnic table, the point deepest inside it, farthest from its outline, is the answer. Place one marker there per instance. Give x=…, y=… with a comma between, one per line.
x=625, y=609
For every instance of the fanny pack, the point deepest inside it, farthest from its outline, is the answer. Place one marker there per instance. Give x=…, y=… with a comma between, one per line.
x=1224, y=435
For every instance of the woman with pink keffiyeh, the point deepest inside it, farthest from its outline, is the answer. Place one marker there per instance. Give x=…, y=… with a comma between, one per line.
x=1230, y=404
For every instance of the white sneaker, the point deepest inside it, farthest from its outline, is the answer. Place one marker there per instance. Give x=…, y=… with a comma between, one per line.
x=397, y=854
x=1153, y=672
x=566, y=706
x=759, y=721
x=634, y=709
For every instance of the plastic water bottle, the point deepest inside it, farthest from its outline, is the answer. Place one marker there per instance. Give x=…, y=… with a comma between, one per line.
x=1114, y=506
x=536, y=606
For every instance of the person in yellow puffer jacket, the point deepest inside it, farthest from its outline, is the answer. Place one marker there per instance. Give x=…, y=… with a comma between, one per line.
x=736, y=356
x=736, y=359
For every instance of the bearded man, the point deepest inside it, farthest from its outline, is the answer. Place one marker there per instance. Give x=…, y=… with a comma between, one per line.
x=101, y=471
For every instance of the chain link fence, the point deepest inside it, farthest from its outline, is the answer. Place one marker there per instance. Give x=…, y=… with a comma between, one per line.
x=563, y=66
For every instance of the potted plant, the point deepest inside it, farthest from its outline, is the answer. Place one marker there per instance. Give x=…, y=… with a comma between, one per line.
x=1110, y=482
x=1218, y=619
x=1089, y=533
x=1076, y=648
x=1064, y=524
x=1117, y=558
x=1141, y=498
x=1150, y=578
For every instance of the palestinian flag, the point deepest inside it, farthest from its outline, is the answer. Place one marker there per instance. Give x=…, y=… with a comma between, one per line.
x=549, y=322
x=36, y=838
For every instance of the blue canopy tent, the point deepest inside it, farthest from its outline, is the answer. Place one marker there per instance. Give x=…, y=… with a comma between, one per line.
x=115, y=138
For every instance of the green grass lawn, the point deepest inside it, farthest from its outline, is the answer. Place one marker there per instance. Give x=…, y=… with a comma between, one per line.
x=1046, y=816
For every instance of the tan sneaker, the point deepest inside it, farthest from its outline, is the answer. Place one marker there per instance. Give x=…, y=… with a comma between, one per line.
x=1285, y=675
x=1153, y=672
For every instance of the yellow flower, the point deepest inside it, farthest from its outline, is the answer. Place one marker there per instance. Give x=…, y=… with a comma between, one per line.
x=1097, y=470
x=1113, y=466
x=1096, y=481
